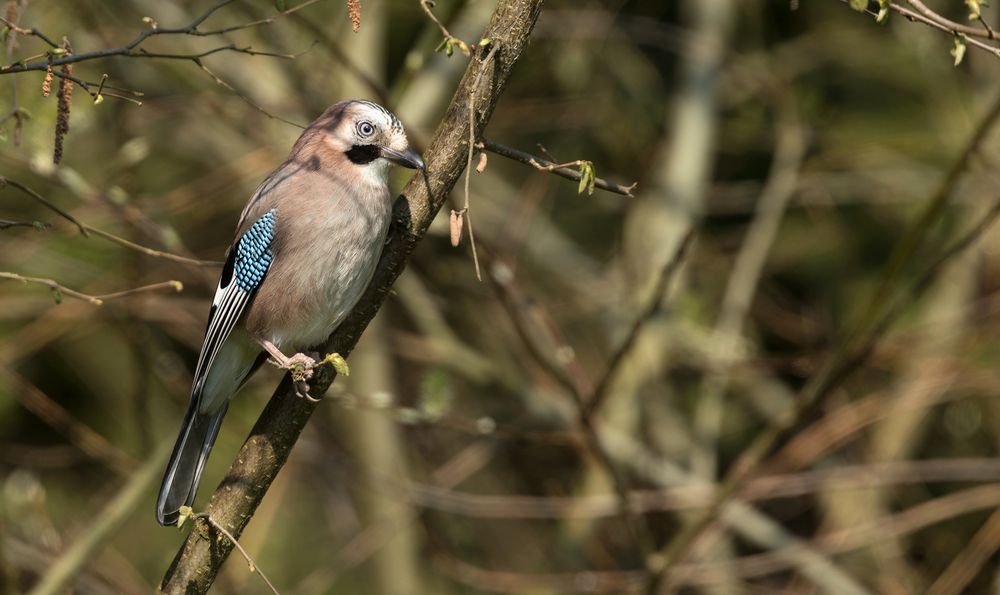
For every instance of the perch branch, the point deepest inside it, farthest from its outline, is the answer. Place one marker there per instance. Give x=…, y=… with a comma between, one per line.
x=545, y=165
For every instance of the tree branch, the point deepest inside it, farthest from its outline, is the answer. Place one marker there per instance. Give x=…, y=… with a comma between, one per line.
x=546, y=165
x=197, y=563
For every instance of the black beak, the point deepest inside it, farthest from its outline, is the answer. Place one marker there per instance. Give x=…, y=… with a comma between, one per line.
x=408, y=158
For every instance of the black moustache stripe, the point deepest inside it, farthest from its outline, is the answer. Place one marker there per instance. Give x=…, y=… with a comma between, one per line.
x=362, y=154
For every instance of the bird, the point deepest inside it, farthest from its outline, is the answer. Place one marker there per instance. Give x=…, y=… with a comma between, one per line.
x=306, y=247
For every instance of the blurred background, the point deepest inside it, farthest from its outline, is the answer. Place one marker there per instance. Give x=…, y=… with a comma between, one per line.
x=802, y=140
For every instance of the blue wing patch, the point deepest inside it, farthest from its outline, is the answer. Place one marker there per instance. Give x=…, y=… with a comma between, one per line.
x=253, y=252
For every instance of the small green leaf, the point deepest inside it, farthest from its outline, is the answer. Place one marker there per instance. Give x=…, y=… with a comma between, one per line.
x=442, y=45
x=975, y=9
x=57, y=295
x=485, y=42
x=60, y=51
x=436, y=395
x=38, y=225
x=883, y=11
x=185, y=513
x=958, y=50
x=859, y=5
x=339, y=363
x=587, y=177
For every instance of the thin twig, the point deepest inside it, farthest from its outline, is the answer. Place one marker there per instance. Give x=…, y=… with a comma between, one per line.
x=254, y=567
x=939, y=24
x=150, y=251
x=86, y=230
x=426, y=6
x=472, y=147
x=38, y=197
x=242, y=96
x=7, y=224
x=60, y=290
x=951, y=25
x=557, y=169
x=133, y=49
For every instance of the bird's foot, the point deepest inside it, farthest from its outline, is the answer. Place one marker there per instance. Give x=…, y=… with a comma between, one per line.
x=300, y=366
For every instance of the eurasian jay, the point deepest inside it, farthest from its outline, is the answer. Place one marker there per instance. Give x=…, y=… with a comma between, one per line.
x=306, y=247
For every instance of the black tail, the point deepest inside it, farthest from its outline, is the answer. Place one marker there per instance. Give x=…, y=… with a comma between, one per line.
x=180, y=482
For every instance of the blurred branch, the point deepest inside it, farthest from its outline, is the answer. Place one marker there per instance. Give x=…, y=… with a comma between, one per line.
x=372, y=538
x=58, y=579
x=58, y=418
x=909, y=521
x=86, y=230
x=692, y=495
x=782, y=178
x=966, y=565
x=667, y=274
x=262, y=456
x=846, y=358
x=59, y=290
x=545, y=165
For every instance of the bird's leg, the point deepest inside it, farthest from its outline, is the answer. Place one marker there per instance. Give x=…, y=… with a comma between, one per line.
x=299, y=365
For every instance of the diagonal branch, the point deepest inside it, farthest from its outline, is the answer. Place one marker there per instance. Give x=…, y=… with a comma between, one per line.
x=197, y=563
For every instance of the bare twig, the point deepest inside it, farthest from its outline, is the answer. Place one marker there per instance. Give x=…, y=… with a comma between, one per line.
x=133, y=48
x=59, y=290
x=151, y=251
x=242, y=96
x=472, y=147
x=557, y=169
x=254, y=567
x=86, y=230
x=38, y=197
x=7, y=224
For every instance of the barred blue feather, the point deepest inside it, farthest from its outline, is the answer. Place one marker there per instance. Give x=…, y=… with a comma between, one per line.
x=253, y=253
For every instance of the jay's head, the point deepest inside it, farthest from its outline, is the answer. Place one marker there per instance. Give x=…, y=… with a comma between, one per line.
x=368, y=136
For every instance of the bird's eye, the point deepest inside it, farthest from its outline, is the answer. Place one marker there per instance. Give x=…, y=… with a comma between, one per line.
x=365, y=129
